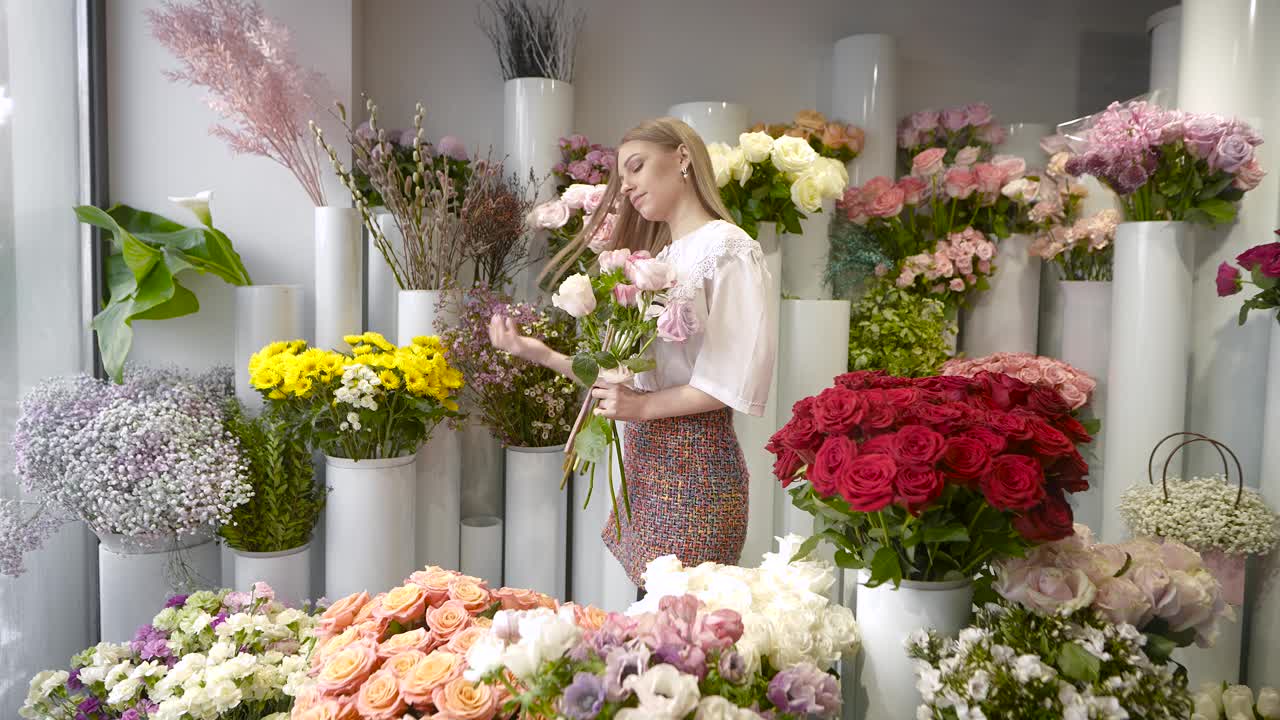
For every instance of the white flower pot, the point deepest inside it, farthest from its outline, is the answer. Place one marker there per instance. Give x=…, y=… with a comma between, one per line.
x=1086, y=346
x=714, y=121
x=288, y=572
x=338, y=273
x=482, y=548
x=536, y=520
x=133, y=586
x=482, y=459
x=804, y=257
x=886, y=682
x=864, y=92
x=380, y=281
x=1264, y=641
x=1006, y=317
x=264, y=314
x=1165, y=29
x=369, y=524
x=754, y=432
x=1147, y=370
x=586, y=560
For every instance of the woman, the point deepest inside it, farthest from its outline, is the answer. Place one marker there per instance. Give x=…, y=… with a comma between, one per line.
x=686, y=475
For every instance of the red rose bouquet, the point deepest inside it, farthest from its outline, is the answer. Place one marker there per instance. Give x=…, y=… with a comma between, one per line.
x=931, y=478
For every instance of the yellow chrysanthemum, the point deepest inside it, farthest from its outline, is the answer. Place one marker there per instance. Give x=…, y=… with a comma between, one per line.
x=377, y=340
x=390, y=380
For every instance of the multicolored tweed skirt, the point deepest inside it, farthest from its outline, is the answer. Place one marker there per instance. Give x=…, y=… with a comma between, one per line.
x=687, y=480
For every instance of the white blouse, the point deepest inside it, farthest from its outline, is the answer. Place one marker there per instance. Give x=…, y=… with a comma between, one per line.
x=721, y=272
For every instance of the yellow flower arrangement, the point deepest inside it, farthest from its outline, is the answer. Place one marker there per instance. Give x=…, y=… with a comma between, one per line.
x=379, y=400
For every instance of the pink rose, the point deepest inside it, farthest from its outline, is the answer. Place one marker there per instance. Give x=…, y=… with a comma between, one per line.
x=551, y=215
x=1121, y=601
x=1030, y=374
x=968, y=156
x=603, y=236
x=984, y=267
x=1054, y=374
x=1012, y=167
x=1046, y=589
x=575, y=196
x=594, y=196
x=984, y=249
x=924, y=120
x=977, y=114
x=649, y=274
x=611, y=260
x=956, y=285
x=989, y=178
x=954, y=118
x=873, y=188
x=1188, y=603
x=1180, y=557
x=913, y=190
x=959, y=182
x=888, y=204
x=908, y=137
x=992, y=134
x=928, y=163
x=1098, y=562
x=1250, y=175
x=678, y=322
x=625, y=294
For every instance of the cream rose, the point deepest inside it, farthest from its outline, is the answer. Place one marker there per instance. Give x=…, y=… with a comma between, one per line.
x=401, y=663
x=575, y=196
x=757, y=146
x=550, y=215
x=719, y=154
x=380, y=697
x=472, y=597
x=415, y=639
x=463, y=700
x=344, y=672
x=806, y=193
x=448, y=620
x=428, y=674
x=792, y=155
x=575, y=297
x=740, y=168
x=404, y=604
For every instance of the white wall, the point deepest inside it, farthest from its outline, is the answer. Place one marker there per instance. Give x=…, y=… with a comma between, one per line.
x=160, y=145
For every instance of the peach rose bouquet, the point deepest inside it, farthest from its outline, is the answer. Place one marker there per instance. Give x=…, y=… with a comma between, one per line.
x=402, y=653
x=1075, y=386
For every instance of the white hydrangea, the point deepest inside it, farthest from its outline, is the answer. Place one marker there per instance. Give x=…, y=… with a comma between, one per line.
x=1202, y=513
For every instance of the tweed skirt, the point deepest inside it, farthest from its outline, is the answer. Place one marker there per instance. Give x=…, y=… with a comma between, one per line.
x=687, y=480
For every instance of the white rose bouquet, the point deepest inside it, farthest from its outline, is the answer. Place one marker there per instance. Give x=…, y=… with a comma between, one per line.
x=780, y=181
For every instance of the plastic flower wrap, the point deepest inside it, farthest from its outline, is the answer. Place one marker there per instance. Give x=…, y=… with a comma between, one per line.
x=204, y=656
x=379, y=401
x=1263, y=264
x=1075, y=386
x=954, y=130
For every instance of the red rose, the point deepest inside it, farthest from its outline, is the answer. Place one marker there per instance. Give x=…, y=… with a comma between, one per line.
x=950, y=388
x=800, y=434
x=903, y=399
x=915, y=487
x=880, y=444
x=966, y=459
x=880, y=413
x=942, y=418
x=1015, y=482
x=1070, y=473
x=832, y=463
x=868, y=487
x=837, y=410
x=990, y=393
x=1048, y=402
x=1012, y=425
x=994, y=441
x=1074, y=430
x=803, y=407
x=858, y=380
x=1048, y=521
x=1049, y=441
x=786, y=465
x=917, y=445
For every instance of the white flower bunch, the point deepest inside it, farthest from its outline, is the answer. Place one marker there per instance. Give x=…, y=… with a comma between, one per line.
x=522, y=640
x=998, y=669
x=813, y=178
x=1202, y=513
x=786, y=612
x=360, y=389
x=1236, y=702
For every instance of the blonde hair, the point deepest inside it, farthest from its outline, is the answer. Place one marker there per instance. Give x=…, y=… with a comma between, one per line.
x=631, y=229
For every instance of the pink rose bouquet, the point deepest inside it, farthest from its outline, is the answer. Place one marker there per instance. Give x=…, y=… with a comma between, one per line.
x=963, y=132
x=567, y=215
x=582, y=161
x=1263, y=264
x=1169, y=164
x=1074, y=386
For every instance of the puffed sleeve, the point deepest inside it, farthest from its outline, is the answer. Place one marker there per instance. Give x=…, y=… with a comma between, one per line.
x=735, y=363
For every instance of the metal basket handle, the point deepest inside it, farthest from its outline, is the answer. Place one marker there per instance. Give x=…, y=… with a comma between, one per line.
x=1226, y=470
x=1152, y=457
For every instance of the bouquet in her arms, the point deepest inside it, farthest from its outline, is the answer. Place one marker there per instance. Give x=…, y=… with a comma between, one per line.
x=621, y=310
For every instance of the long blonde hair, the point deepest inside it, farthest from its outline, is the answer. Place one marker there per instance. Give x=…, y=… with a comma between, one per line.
x=631, y=229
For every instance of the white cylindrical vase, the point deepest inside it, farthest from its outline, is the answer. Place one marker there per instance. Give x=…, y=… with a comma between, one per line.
x=587, y=554
x=1264, y=640
x=1086, y=346
x=714, y=121
x=482, y=458
x=288, y=572
x=264, y=314
x=369, y=524
x=1165, y=30
x=380, y=282
x=338, y=276
x=481, y=554
x=804, y=257
x=1147, y=366
x=864, y=92
x=1006, y=317
x=537, y=522
x=886, y=680
x=754, y=432
x=133, y=586
x=439, y=495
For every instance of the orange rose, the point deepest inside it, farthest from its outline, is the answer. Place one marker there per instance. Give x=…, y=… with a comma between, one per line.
x=435, y=581
x=306, y=700
x=811, y=120
x=327, y=710
x=343, y=673
x=415, y=639
x=428, y=674
x=588, y=617
x=335, y=644
x=404, y=604
x=758, y=127
x=366, y=611
x=473, y=597
x=833, y=136
x=380, y=698
x=797, y=132
x=401, y=663
x=519, y=599
x=374, y=628
x=465, y=701
x=463, y=641
x=340, y=614
x=448, y=620
x=855, y=138
x=776, y=131
x=482, y=622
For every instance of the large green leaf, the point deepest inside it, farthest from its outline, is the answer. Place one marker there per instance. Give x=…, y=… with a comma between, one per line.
x=183, y=302
x=1078, y=664
x=592, y=442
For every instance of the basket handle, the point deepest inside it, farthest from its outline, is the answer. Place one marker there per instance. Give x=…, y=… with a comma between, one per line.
x=1226, y=471
x=1152, y=457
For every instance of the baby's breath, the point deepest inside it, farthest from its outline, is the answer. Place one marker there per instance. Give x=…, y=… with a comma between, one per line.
x=1202, y=513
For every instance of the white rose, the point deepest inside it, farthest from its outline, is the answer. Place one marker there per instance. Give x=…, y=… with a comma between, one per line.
x=806, y=193
x=575, y=196
x=1208, y=702
x=792, y=155
x=1237, y=702
x=1269, y=703
x=756, y=145
x=720, y=166
x=833, y=175
x=576, y=296
x=550, y=215
x=665, y=691
x=740, y=168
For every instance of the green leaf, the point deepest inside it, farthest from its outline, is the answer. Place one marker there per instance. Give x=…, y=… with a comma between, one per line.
x=885, y=567
x=946, y=534
x=606, y=360
x=182, y=303
x=1219, y=211
x=139, y=256
x=1159, y=648
x=586, y=369
x=115, y=336
x=1078, y=664
x=640, y=364
x=806, y=548
x=593, y=441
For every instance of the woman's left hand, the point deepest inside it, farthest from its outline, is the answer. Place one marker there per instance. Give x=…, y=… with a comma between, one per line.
x=619, y=402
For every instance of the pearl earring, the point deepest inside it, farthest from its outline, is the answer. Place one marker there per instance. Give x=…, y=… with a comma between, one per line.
x=684, y=173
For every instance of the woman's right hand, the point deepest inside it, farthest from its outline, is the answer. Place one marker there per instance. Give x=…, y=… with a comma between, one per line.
x=504, y=334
